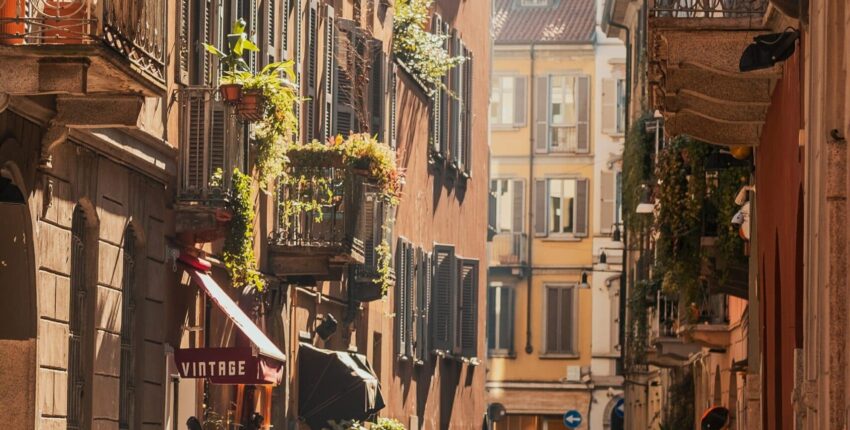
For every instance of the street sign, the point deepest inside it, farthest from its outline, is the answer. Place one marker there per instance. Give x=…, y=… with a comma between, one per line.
x=572, y=419
x=620, y=408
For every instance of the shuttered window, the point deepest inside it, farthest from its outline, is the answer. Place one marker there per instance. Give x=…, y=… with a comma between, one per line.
x=393, y=106
x=184, y=41
x=78, y=394
x=562, y=114
x=443, y=298
x=423, y=299
x=466, y=342
x=438, y=107
x=310, y=71
x=377, y=59
x=127, y=391
x=510, y=198
x=560, y=328
x=607, y=201
x=500, y=320
x=613, y=106
x=454, y=112
x=329, y=66
x=405, y=299
x=466, y=129
x=561, y=207
x=507, y=107
x=206, y=128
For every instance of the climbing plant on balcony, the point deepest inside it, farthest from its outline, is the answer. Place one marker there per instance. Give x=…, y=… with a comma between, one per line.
x=238, y=251
x=637, y=171
x=730, y=245
x=681, y=195
x=421, y=52
x=638, y=325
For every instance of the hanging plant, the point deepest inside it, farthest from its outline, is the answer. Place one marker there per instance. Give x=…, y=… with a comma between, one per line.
x=418, y=50
x=233, y=61
x=730, y=246
x=238, y=251
x=637, y=171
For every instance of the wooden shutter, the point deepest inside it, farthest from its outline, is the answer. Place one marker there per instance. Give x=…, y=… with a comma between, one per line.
x=436, y=111
x=566, y=322
x=344, y=117
x=518, y=206
x=286, y=7
x=582, y=209
x=270, y=30
x=541, y=204
x=541, y=114
x=184, y=42
x=520, y=83
x=218, y=139
x=393, y=106
x=583, y=120
x=310, y=71
x=329, y=69
x=410, y=296
x=552, y=320
x=423, y=278
x=401, y=300
x=468, y=308
x=467, y=113
x=376, y=88
x=492, y=213
x=493, y=321
x=442, y=299
x=456, y=88
x=607, y=200
x=195, y=120
x=609, y=106
x=506, y=330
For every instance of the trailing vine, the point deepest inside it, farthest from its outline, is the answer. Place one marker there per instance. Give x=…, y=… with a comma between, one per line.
x=238, y=251
x=638, y=324
x=637, y=168
x=730, y=246
x=420, y=51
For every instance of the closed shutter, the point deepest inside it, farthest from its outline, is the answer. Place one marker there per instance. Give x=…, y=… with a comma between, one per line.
x=456, y=88
x=609, y=106
x=445, y=130
x=270, y=30
x=410, y=296
x=583, y=107
x=493, y=322
x=184, y=42
x=401, y=297
x=540, y=208
x=468, y=309
x=442, y=299
x=310, y=71
x=566, y=321
x=467, y=113
x=582, y=192
x=518, y=206
x=506, y=323
x=344, y=117
x=286, y=7
x=520, y=83
x=607, y=201
x=329, y=69
x=423, y=297
x=541, y=114
x=376, y=89
x=195, y=120
x=553, y=319
x=492, y=212
x=370, y=221
x=218, y=139
x=436, y=101
x=393, y=106
x=296, y=55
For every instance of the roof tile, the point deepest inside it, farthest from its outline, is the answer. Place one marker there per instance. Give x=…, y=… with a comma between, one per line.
x=565, y=21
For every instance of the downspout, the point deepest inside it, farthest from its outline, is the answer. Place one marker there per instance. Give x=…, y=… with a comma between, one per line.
x=528, y=347
x=625, y=236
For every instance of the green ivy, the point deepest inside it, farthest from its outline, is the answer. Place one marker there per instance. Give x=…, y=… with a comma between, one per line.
x=730, y=246
x=638, y=324
x=637, y=171
x=239, y=244
x=419, y=50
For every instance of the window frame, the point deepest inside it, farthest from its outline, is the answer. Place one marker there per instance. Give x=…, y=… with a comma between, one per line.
x=510, y=351
x=620, y=129
x=549, y=207
x=535, y=3
x=574, y=348
x=499, y=124
x=508, y=203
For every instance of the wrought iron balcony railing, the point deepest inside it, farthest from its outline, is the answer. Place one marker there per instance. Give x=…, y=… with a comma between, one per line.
x=709, y=8
x=666, y=315
x=210, y=143
x=135, y=29
x=509, y=249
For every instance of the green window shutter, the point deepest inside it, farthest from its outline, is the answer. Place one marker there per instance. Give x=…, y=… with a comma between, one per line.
x=582, y=210
x=583, y=120
x=541, y=215
x=541, y=114
x=393, y=106
x=310, y=66
x=442, y=299
x=467, y=112
x=184, y=42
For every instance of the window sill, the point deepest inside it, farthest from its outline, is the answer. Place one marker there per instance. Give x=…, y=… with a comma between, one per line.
x=506, y=127
x=508, y=355
x=552, y=238
x=558, y=356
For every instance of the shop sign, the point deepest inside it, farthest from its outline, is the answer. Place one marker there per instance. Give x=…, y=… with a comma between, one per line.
x=219, y=365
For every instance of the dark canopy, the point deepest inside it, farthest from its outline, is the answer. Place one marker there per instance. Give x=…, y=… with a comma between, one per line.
x=335, y=385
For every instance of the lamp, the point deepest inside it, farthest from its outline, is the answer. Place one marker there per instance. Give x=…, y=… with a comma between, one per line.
x=615, y=235
x=583, y=283
x=603, y=258
x=327, y=327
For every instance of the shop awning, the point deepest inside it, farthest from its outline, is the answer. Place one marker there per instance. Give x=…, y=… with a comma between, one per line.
x=335, y=385
x=262, y=363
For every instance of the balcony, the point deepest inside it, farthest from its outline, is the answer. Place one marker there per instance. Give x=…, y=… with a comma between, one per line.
x=210, y=143
x=666, y=348
x=509, y=252
x=375, y=227
x=78, y=47
x=694, y=49
x=710, y=325
x=318, y=243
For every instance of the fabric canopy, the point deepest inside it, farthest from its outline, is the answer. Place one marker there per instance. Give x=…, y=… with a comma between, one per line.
x=262, y=363
x=335, y=385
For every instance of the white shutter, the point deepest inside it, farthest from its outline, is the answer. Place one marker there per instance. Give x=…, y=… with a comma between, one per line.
x=607, y=200
x=583, y=120
x=582, y=209
x=609, y=106
x=541, y=114
x=520, y=83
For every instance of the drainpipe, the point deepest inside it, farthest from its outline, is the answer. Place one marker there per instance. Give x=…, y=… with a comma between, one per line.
x=625, y=236
x=531, y=123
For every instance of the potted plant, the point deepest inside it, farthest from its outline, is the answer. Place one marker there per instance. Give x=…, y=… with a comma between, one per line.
x=234, y=62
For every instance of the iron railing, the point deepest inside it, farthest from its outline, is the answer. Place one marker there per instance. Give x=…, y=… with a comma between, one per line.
x=666, y=318
x=136, y=29
x=709, y=8
x=210, y=145
x=509, y=249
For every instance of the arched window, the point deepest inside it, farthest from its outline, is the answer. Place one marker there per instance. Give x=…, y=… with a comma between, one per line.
x=77, y=316
x=128, y=323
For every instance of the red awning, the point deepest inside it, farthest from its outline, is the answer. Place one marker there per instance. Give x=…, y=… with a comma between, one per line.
x=260, y=364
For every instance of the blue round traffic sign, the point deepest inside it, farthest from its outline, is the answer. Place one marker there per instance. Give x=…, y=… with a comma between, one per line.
x=572, y=419
x=620, y=408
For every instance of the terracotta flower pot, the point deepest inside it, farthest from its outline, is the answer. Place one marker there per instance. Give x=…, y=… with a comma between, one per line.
x=231, y=93
x=250, y=107
x=64, y=22
x=11, y=9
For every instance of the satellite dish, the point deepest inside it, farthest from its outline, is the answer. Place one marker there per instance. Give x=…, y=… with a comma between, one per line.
x=768, y=49
x=715, y=418
x=496, y=412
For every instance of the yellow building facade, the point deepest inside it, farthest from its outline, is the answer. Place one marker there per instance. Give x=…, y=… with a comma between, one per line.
x=546, y=101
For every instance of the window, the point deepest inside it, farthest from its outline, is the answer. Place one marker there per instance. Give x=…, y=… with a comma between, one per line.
x=78, y=393
x=453, y=309
x=561, y=207
x=534, y=3
x=608, y=208
x=509, y=204
x=507, y=107
x=443, y=296
x=404, y=272
x=562, y=107
x=466, y=340
x=613, y=106
x=128, y=319
x=560, y=323
x=500, y=319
